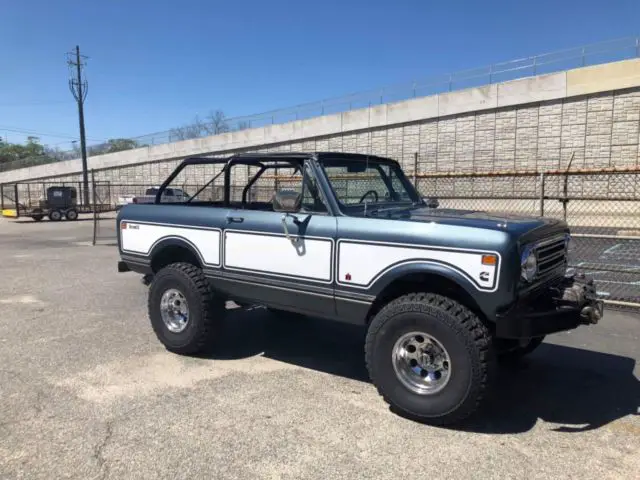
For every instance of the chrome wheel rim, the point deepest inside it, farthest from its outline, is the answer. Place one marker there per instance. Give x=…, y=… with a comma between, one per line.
x=421, y=363
x=174, y=310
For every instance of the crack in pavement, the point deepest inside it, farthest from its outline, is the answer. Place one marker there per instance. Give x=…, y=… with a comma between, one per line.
x=99, y=448
x=98, y=451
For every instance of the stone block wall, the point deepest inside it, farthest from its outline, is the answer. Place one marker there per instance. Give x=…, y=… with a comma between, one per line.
x=601, y=130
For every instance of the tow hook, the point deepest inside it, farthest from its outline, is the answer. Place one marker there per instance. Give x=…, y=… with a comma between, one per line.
x=592, y=313
x=578, y=291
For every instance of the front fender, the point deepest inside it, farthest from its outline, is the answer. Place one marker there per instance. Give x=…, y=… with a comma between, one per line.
x=423, y=268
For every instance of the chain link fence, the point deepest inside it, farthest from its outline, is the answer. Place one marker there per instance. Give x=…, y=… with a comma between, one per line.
x=602, y=209
x=24, y=197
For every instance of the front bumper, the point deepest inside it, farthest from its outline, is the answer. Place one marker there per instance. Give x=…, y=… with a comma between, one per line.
x=557, y=308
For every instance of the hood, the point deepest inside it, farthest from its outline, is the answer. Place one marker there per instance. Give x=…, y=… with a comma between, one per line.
x=515, y=224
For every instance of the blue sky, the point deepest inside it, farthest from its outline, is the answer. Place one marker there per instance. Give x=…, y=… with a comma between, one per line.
x=154, y=65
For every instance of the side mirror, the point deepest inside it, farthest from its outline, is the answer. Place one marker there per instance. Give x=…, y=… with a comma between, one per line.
x=432, y=202
x=287, y=201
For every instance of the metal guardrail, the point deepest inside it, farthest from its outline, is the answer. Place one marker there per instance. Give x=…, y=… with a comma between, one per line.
x=593, y=54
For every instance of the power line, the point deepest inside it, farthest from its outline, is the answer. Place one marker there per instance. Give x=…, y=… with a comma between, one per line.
x=43, y=134
x=33, y=104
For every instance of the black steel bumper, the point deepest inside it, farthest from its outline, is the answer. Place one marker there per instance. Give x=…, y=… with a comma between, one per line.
x=134, y=265
x=557, y=308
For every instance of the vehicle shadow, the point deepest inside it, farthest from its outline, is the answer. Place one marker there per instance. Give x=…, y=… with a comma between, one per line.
x=578, y=389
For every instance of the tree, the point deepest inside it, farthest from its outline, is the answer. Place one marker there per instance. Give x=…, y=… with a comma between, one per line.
x=14, y=151
x=243, y=125
x=216, y=123
x=56, y=152
x=112, y=145
x=33, y=148
x=186, y=132
x=120, y=144
x=97, y=149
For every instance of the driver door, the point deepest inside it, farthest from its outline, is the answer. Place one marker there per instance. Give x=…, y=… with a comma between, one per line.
x=283, y=259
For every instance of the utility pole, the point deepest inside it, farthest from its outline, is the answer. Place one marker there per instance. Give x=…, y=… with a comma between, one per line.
x=79, y=88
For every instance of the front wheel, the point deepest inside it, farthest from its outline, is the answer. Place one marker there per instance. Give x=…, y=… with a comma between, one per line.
x=185, y=314
x=72, y=214
x=430, y=357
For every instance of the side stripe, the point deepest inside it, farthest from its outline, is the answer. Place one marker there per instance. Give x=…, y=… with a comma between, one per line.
x=352, y=263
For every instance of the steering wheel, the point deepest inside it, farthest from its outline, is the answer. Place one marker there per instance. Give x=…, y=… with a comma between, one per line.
x=370, y=192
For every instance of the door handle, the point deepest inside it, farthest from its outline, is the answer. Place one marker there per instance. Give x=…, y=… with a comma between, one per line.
x=235, y=219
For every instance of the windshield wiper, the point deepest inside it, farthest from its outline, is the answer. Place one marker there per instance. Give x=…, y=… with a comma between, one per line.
x=388, y=209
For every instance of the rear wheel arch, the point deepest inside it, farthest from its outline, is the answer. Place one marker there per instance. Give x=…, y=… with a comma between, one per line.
x=171, y=251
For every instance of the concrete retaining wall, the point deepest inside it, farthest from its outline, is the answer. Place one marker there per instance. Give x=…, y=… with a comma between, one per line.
x=528, y=124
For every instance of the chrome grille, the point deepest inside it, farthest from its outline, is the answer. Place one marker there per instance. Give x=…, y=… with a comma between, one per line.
x=551, y=255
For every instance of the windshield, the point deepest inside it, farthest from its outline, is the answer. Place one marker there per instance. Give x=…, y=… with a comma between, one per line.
x=374, y=183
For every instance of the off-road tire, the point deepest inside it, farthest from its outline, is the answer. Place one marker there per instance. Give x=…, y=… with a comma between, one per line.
x=516, y=354
x=71, y=214
x=463, y=335
x=55, y=215
x=38, y=214
x=206, y=310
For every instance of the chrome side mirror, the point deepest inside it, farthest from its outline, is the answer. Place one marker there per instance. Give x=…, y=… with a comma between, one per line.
x=287, y=201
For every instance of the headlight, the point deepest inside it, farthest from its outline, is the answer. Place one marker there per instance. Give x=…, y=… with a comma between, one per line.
x=529, y=264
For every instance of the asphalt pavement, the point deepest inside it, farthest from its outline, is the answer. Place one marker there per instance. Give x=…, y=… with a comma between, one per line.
x=86, y=390
x=614, y=263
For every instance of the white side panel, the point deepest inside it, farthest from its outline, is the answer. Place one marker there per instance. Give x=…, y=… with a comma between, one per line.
x=276, y=255
x=364, y=262
x=140, y=237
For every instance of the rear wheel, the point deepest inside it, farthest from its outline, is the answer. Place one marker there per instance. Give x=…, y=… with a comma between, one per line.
x=72, y=214
x=38, y=214
x=429, y=357
x=55, y=215
x=185, y=314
